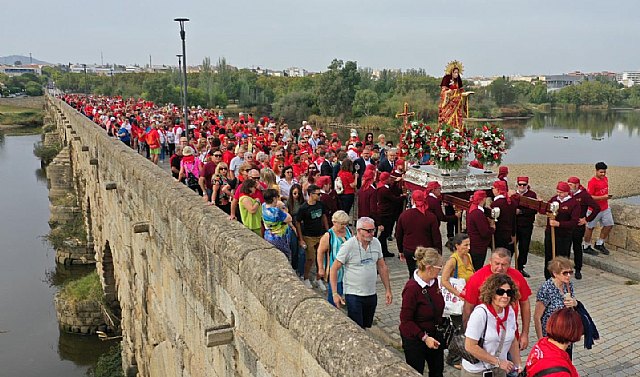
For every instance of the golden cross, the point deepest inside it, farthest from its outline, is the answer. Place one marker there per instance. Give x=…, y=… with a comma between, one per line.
x=405, y=115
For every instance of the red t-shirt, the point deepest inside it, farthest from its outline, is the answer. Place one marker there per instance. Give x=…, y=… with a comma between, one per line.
x=347, y=179
x=153, y=139
x=599, y=187
x=471, y=292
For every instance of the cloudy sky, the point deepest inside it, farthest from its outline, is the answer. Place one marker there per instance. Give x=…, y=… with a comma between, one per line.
x=491, y=37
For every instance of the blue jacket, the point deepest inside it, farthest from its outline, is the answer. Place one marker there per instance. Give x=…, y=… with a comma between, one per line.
x=590, y=330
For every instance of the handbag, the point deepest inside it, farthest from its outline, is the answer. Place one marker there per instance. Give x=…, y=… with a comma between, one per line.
x=544, y=372
x=457, y=344
x=445, y=330
x=452, y=303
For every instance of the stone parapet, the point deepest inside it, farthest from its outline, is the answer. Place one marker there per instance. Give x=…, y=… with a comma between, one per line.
x=193, y=270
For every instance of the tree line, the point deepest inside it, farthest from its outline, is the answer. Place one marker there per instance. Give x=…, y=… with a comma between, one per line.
x=342, y=93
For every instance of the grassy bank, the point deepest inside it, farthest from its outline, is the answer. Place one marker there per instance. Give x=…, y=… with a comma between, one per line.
x=86, y=288
x=21, y=116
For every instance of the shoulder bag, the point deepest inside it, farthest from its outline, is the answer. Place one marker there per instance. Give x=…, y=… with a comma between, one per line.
x=457, y=343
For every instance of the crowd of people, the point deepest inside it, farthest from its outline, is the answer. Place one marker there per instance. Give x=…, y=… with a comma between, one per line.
x=331, y=206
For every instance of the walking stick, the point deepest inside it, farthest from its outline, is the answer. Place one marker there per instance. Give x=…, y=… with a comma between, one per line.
x=554, y=207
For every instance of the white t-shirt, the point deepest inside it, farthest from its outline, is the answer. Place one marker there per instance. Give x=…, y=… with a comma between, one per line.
x=475, y=327
x=360, y=266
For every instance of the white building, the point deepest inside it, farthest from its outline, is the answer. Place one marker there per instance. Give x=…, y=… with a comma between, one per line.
x=296, y=72
x=17, y=70
x=629, y=78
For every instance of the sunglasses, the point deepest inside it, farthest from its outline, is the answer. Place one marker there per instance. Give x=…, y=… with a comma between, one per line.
x=501, y=292
x=370, y=231
x=217, y=155
x=224, y=169
x=522, y=184
x=567, y=273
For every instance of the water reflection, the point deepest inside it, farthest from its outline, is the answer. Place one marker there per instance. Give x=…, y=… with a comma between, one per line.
x=573, y=137
x=82, y=350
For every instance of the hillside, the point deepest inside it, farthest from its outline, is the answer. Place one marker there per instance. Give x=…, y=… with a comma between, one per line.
x=9, y=60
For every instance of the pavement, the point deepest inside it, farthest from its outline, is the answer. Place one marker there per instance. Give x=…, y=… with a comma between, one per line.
x=617, y=353
x=610, y=291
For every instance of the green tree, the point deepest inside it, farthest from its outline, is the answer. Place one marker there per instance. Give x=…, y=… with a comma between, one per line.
x=337, y=88
x=502, y=92
x=33, y=89
x=539, y=94
x=366, y=102
x=295, y=106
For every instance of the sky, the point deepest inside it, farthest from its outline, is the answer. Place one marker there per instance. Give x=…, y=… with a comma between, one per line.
x=490, y=37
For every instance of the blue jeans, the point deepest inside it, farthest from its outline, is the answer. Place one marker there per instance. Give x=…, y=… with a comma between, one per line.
x=361, y=309
x=297, y=254
x=330, y=293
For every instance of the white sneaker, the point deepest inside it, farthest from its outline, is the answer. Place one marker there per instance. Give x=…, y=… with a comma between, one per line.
x=321, y=285
x=307, y=283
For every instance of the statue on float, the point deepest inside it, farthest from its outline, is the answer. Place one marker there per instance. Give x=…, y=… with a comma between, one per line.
x=454, y=105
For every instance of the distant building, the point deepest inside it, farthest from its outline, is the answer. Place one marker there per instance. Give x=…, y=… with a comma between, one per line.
x=557, y=82
x=296, y=72
x=628, y=78
x=17, y=70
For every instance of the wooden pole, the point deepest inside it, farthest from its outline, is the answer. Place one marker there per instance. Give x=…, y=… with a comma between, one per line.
x=553, y=238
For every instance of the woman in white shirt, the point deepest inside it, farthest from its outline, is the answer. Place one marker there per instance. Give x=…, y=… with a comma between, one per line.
x=494, y=321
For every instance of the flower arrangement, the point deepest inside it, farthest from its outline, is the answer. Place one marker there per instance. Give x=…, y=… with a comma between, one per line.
x=449, y=147
x=488, y=144
x=415, y=141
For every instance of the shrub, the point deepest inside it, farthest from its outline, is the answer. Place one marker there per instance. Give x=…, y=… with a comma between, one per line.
x=110, y=363
x=46, y=153
x=86, y=288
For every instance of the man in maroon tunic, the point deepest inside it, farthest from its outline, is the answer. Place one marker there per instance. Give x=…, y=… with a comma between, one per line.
x=388, y=201
x=505, y=224
x=479, y=228
x=586, y=201
x=417, y=227
x=566, y=220
x=525, y=218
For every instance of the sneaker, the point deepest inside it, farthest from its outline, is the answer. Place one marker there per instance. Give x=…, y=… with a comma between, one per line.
x=307, y=283
x=578, y=275
x=602, y=249
x=525, y=273
x=321, y=285
x=590, y=250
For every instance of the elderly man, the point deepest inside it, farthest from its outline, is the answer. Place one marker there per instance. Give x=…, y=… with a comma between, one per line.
x=362, y=259
x=525, y=217
x=388, y=164
x=499, y=264
x=584, y=199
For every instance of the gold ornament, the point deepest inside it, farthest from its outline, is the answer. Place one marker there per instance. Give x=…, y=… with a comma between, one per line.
x=452, y=65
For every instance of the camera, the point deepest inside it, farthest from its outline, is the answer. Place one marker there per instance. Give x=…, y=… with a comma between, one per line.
x=487, y=373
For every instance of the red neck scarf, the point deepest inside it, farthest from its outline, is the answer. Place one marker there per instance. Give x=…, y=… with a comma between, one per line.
x=500, y=322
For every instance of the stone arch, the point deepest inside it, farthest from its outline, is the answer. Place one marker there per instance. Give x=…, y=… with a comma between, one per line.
x=107, y=275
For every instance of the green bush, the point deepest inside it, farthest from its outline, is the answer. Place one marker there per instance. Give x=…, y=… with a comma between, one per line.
x=110, y=364
x=46, y=153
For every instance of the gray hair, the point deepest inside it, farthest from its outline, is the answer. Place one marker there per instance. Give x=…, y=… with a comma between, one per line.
x=261, y=156
x=394, y=150
x=501, y=252
x=248, y=154
x=364, y=220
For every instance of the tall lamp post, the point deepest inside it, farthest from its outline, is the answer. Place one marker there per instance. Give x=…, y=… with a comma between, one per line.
x=182, y=101
x=86, y=88
x=181, y=21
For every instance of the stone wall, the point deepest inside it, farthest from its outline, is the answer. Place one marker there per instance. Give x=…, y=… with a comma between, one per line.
x=184, y=274
x=624, y=236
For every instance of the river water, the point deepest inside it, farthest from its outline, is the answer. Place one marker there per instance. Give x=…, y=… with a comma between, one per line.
x=30, y=341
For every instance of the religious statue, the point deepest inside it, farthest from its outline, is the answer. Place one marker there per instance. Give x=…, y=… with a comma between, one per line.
x=453, y=106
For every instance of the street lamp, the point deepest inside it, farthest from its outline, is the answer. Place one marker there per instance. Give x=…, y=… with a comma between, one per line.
x=181, y=21
x=86, y=88
x=180, y=75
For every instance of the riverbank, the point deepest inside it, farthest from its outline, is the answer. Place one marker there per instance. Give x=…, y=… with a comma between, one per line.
x=624, y=181
x=21, y=116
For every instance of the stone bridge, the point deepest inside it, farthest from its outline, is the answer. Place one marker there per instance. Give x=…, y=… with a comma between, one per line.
x=200, y=295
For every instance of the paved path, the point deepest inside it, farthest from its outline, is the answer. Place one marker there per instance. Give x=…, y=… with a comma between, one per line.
x=617, y=353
